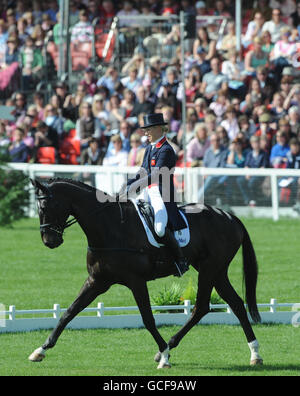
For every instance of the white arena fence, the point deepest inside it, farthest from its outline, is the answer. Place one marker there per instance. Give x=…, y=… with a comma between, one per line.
x=13, y=320
x=110, y=179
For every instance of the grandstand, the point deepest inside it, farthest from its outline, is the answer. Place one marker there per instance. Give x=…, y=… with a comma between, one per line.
x=78, y=72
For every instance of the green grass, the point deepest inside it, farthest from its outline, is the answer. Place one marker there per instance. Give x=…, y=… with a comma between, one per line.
x=207, y=350
x=33, y=276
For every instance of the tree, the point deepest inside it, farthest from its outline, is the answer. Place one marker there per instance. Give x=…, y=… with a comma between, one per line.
x=14, y=193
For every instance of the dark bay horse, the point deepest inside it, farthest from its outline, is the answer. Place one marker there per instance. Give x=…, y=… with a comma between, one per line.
x=119, y=253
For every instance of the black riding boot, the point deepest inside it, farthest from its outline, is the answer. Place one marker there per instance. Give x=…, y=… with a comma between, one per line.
x=170, y=242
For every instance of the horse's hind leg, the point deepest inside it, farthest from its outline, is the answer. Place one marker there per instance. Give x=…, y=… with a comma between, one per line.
x=228, y=294
x=201, y=309
x=90, y=290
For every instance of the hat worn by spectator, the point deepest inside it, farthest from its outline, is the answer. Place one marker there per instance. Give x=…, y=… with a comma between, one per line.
x=200, y=4
x=264, y=118
x=288, y=71
x=151, y=120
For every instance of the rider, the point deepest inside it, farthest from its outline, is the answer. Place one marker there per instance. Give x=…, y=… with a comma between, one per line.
x=156, y=181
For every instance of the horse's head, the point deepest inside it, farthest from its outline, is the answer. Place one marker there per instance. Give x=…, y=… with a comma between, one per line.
x=53, y=213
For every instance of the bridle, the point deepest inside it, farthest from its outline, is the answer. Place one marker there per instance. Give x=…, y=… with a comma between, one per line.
x=60, y=228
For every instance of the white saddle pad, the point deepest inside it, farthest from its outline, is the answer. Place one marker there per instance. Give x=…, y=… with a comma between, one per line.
x=182, y=236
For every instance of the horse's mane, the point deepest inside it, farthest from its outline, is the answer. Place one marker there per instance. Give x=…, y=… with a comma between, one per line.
x=70, y=181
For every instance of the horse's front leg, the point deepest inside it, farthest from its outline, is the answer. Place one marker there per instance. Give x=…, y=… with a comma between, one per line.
x=141, y=295
x=90, y=290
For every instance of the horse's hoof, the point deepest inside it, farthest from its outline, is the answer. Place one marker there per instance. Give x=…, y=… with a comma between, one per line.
x=164, y=365
x=256, y=362
x=37, y=356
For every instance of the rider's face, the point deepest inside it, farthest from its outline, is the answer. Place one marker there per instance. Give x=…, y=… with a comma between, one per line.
x=154, y=133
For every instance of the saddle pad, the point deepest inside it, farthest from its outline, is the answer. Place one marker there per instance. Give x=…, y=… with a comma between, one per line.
x=182, y=236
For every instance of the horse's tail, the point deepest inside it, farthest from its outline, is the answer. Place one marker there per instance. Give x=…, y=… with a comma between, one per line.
x=250, y=274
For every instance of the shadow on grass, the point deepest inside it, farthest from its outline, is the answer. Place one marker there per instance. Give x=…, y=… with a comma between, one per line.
x=245, y=368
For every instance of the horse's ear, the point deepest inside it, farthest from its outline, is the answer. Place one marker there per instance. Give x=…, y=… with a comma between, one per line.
x=39, y=186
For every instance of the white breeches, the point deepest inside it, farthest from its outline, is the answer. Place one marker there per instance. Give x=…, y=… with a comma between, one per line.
x=152, y=196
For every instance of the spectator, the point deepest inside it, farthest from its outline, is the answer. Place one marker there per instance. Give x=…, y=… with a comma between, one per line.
x=109, y=80
x=254, y=28
x=256, y=57
x=213, y=81
x=230, y=123
x=20, y=106
x=233, y=70
x=223, y=136
x=117, y=156
x=32, y=63
x=89, y=81
x=294, y=120
x=197, y=147
x=132, y=81
x=136, y=153
x=86, y=127
x=278, y=158
x=142, y=105
x=249, y=185
x=203, y=40
x=107, y=13
x=263, y=7
x=72, y=104
x=267, y=42
x=99, y=110
x=3, y=32
x=267, y=85
x=294, y=19
x=116, y=112
x=229, y=40
x=137, y=62
x=61, y=91
x=293, y=162
x=274, y=25
x=287, y=7
x=220, y=105
x=277, y=107
x=283, y=51
x=127, y=10
x=18, y=150
x=82, y=31
x=128, y=102
x=264, y=128
x=93, y=155
x=220, y=9
x=12, y=52
x=201, y=108
x=53, y=119
x=4, y=139
x=45, y=136
x=214, y=157
x=22, y=30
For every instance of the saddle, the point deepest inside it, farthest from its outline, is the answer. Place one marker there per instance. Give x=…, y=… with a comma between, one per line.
x=146, y=214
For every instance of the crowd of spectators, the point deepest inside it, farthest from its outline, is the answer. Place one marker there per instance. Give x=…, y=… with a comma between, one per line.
x=243, y=108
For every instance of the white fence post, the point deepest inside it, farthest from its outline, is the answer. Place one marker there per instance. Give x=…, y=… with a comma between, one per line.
x=12, y=312
x=56, y=311
x=273, y=304
x=275, y=200
x=100, y=309
x=187, y=307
